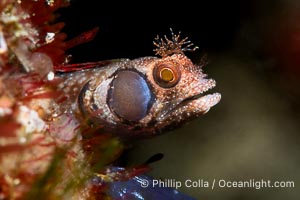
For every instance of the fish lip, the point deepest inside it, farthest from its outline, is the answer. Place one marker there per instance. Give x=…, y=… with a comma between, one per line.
x=193, y=97
x=203, y=95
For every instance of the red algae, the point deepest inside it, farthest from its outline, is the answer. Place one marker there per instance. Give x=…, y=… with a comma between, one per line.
x=40, y=146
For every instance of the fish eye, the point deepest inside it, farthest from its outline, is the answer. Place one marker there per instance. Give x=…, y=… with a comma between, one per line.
x=166, y=75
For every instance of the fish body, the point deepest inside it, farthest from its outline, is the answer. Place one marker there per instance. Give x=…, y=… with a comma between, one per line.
x=140, y=97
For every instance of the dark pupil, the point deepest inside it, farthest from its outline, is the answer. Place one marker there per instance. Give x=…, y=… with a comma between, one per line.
x=130, y=96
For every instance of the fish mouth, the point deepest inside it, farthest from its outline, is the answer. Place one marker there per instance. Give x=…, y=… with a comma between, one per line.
x=195, y=104
x=201, y=102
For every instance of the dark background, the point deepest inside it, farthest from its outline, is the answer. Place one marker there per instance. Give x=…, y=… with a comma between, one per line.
x=127, y=30
x=253, y=49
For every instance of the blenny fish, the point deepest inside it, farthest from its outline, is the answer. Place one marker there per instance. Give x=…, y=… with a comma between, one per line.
x=141, y=97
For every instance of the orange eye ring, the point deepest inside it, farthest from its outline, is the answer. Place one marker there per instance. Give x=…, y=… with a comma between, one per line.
x=166, y=75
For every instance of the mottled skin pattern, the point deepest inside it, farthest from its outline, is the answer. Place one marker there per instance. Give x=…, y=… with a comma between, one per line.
x=87, y=92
